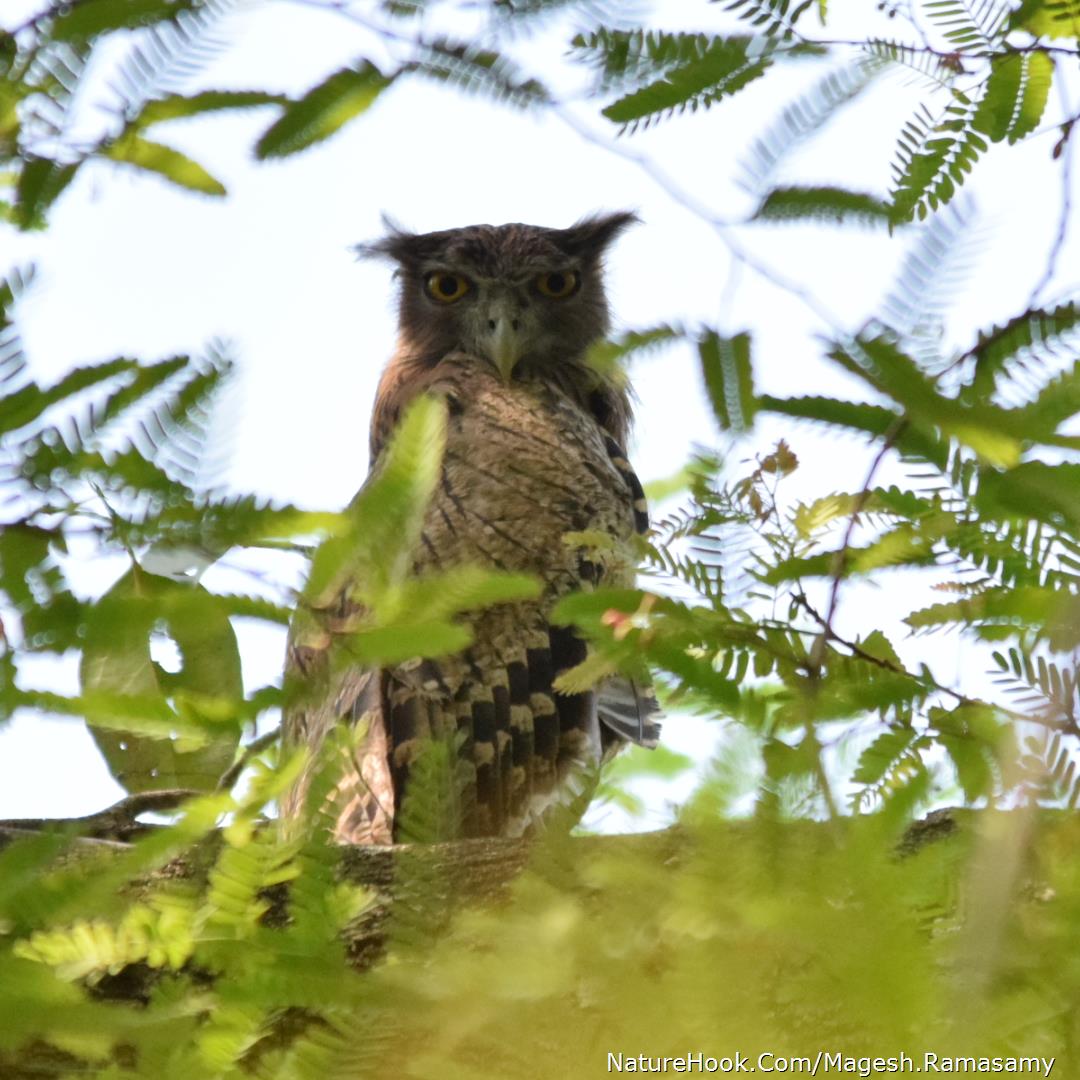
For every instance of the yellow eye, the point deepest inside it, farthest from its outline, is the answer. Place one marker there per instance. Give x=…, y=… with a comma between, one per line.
x=446, y=288
x=558, y=284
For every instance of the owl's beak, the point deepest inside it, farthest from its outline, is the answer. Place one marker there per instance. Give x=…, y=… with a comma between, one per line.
x=503, y=341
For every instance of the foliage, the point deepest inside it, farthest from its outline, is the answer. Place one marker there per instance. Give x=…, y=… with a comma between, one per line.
x=782, y=875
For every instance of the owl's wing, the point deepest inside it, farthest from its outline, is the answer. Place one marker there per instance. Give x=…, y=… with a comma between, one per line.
x=628, y=708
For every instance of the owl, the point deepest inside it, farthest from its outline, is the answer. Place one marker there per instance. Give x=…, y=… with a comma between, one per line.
x=497, y=321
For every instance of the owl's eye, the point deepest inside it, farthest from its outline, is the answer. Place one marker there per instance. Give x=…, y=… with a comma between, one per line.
x=446, y=288
x=558, y=284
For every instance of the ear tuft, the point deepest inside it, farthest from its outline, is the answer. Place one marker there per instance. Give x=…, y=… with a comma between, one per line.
x=398, y=244
x=590, y=237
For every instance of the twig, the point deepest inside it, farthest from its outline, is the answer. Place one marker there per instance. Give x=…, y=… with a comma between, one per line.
x=721, y=226
x=840, y=558
x=950, y=57
x=251, y=751
x=1068, y=727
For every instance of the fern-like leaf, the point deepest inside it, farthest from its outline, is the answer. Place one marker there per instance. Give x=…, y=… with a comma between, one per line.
x=928, y=66
x=803, y=117
x=625, y=56
x=12, y=357
x=1015, y=96
x=478, y=71
x=1024, y=341
x=726, y=365
x=822, y=205
x=970, y=25
x=931, y=273
x=773, y=18
x=609, y=356
x=170, y=51
x=934, y=159
x=724, y=67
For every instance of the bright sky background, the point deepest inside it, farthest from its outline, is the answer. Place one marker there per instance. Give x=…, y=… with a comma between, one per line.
x=133, y=266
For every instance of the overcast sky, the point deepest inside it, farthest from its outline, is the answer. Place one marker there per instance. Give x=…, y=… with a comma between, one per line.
x=133, y=266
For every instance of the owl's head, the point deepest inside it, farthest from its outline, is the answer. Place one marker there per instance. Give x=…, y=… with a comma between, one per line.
x=529, y=300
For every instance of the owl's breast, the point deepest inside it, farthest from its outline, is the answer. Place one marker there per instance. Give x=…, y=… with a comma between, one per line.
x=524, y=466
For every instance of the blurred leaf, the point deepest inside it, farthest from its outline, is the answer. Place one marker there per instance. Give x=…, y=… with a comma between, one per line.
x=1048, y=18
x=386, y=516
x=27, y=404
x=825, y=205
x=132, y=149
x=205, y=692
x=1033, y=489
x=322, y=111
x=88, y=18
x=724, y=67
x=1015, y=96
x=179, y=106
x=661, y=763
x=41, y=182
x=609, y=355
x=726, y=365
x=454, y=591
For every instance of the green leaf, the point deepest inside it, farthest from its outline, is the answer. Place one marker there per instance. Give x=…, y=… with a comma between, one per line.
x=970, y=734
x=205, y=694
x=24, y=554
x=721, y=71
x=811, y=518
x=1015, y=97
x=41, y=182
x=823, y=205
x=933, y=162
x=1056, y=402
x=387, y=514
x=1038, y=77
x=728, y=372
x=609, y=355
x=1030, y=606
x=872, y=419
x=660, y=763
x=1013, y=344
x=882, y=754
x=406, y=641
x=477, y=70
x=967, y=26
x=132, y=149
x=1048, y=18
x=994, y=115
x=1033, y=490
x=585, y=607
x=322, y=111
x=461, y=589
x=992, y=432
x=180, y=106
x=88, y=18
x=638, y=54
x=26, y=405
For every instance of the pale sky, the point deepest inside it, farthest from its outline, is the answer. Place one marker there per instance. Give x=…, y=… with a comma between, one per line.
x=133, y=266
